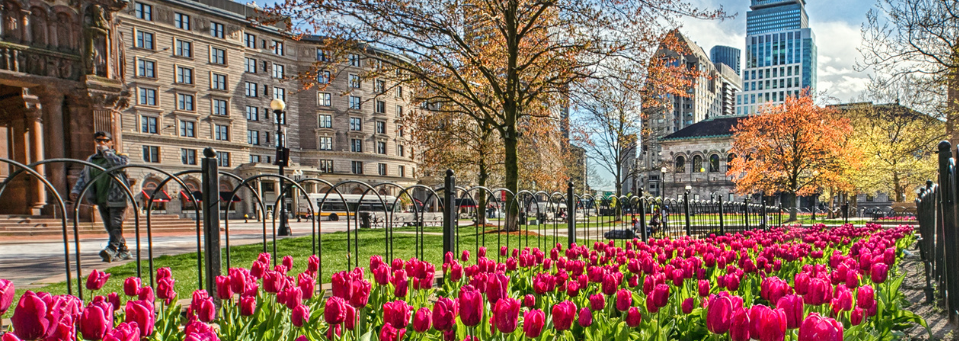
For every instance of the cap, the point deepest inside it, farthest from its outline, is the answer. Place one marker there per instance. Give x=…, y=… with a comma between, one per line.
x=100, y=134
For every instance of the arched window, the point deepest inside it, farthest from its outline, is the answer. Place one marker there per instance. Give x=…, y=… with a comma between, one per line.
x=714, y=163
x=680, y=164
x=357, y=190
x=729, y=160
x=698, y=164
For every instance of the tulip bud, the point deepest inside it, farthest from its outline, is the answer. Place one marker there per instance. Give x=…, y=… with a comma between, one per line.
x=819, y=328
x=146, y=294
x=165, y=290
x=313, y=265
x=688, y=305
x=301, y=315
x=857, y=316
x=624, y=299
x=113, y=298
x=142, y=313
x=224, y=290
x=879, y=272
x=496, y=287
x=97, y=279
x=792, y=307
x=739, y=329
x=422, y=320
x=533, y=322
x=335, y=310
x=306, y=284
x=703, y=288
x=505, y=314
x=131, y=286
x=719, y=314
x=529, y=301
x=865, y=297
x=597, y=302
x=96, y=320
x=633, y=317
x=288, y=263
x=585, y=318
x=400, y=283
x=247, y=305
x=563, y=315
x=470, y=306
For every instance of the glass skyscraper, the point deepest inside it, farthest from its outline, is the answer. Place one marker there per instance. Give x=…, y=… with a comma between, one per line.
x=780, y=54
x=726, y=55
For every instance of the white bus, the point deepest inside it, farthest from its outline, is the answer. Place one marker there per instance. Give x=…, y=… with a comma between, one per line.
x=334, y=208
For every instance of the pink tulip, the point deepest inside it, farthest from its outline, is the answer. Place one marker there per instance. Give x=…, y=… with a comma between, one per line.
x=688, y=305
x=470, y=306
x=390, y=333
x=563, y=315
x=878, y=273
x=335, y=310
x=131, y=286
x=633, y=317
x=97, y=279
x=792, y=307
x=529, y=301
x=739, y=328
x=96, y=320
x=819, y=328
x=865, y=297
x=422, y=320
x=719, y=314
x=127, y=331
x=505, y=314
x=166, y=290
x=301, y=315
x=400, y=283
x=624, y=299
x=141, y=312
x=224, y=290
x=857, y=316
x=146, y=294
x=6, y=295
x=585, y=318
x=247, y=305
x=533, y=322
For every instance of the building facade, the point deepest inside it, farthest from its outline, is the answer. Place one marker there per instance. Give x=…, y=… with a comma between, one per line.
x=710, y=96
x=780, y=54
x=728, y=55
x=201, y=74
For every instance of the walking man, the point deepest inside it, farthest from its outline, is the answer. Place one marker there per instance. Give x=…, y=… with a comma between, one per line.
x=107, y=194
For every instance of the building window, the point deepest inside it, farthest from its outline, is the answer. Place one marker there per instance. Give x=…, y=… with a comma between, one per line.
x=326, y=143
x=249, y=40
x=279, y=93
x=145, y=40
x=216, y=30
x=255, y=158
x=251, y=89
x=151, y=154
x=380, y=127
x=223, y=159
x=181, y=21
x=250, y=65
x=184, y=75
x=357, y=167
x=698, y=164
x=278, y=48
x=143, y=11
x=217, y=56
x=380, y=107
x=222, y=132
x=218, y=82
x=252, y=113
x=146, y=68
x=399, y=130
x=322, y=56
x=148, y=96
x=356, y=124
x=399, y=92
x=277, y=71
x=325, y=166
x=253, y=137
x=714, y=163
x=356, y=145
x=402, y=172
x=680, y=164
x=399, y=111
x=188, y=156
x=148, y=125
x=379, y=86
x=187, y=128
x=220, y=107
x=324, y=99
x=355, y=103
x=183, y=48
x=381, y=148
x=184, y=102
x=354, y=59
x=400, y=150
x=354, y=81
x=381, y=169
x=323, y=77
x=326, y=121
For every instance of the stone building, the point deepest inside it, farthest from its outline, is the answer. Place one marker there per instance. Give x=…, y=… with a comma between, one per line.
x=171, y=77
x=62, y=77
x=698, y=156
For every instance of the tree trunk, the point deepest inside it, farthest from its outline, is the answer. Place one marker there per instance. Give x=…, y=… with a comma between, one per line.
x=794, y=205
x=481, y=200
x=952, y=105
x=511, y=165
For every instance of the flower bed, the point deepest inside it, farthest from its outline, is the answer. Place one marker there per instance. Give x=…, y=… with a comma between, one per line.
x=787, y=283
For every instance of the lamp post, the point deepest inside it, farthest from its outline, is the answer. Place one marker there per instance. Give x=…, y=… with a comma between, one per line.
x=282, y=160
x=662, y=183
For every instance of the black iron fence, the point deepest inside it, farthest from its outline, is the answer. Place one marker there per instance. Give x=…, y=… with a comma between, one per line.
x=938, y=216
x=495, y=216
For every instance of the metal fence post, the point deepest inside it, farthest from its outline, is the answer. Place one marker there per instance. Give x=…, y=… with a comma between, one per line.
x=449, y=213
x=570, y=215
x=642, y=219
x=686, y=207
x=762, y=220
x=211, y=218
x=746, y=214
x=722, y=223
x=845, y=213
x=947, y=183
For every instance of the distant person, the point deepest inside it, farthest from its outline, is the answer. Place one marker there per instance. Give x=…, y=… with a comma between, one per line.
x=657, y=221
x=107, y=194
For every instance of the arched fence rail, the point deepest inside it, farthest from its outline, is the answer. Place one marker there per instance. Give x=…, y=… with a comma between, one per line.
x=467, y=218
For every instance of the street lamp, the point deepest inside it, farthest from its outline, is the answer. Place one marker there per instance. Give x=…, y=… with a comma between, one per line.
x=662, y=183
x=282, y=160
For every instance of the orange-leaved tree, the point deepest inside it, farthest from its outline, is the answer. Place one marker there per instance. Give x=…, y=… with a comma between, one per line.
x=795, y=148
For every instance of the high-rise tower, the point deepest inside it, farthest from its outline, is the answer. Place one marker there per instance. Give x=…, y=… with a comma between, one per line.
x=780, y=54
x=726, y=55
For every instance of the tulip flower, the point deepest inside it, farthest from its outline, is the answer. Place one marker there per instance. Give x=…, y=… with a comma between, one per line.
x=313, y=265
x=719, y=314
x=306, y=284
x=688, y=305
x=878, y=273
x=597, y=302
x=204, y=309
x=123, y=332
x=113, y=298
x=533, y=322
x=259, y=269
x=30, y=317
x=865, y=297
x=205, y=336
x=633, y=317
x=496, y=287
x=529, y=301
x=288, y=262
x=505, y=314
x=6, y=295
x=422, y=320
x=842, y=301
x=97, y=279
x=335, y=311
x=400, y=283
x=563, y=315
x=739, y=328
x=224, y=290
x=585, y=318
x=390, y=333
x=96, y=320
x=470, y=306
x=857, y=316
x=301, y=315
x=444, y=314
x=703, y=288
x=818, y=292
x=660, y=295
x=165, y=290
x=624, y=299
x=131, y=286
x=146, y=294
x=792, y=307
x=291, y=297
x=247, y=305
x=819, y=328
x=141, y=312
x=397, y=313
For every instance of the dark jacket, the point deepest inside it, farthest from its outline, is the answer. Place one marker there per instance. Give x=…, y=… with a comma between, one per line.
x=116, y=197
